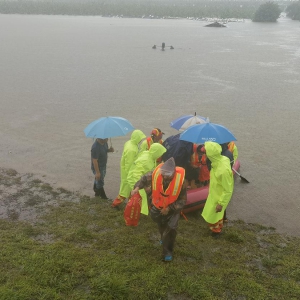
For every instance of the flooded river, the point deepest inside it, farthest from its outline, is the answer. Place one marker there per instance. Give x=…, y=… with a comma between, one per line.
x=59, y=73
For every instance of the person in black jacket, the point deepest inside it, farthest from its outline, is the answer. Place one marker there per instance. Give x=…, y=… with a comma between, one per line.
x=98, y=165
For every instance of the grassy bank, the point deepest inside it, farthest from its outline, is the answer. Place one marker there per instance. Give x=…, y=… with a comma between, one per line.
x=79, y=248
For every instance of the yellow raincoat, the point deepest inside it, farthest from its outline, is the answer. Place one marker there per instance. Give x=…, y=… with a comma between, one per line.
x=145, y=163
x=221, y=183
x=129, y=155
x=144, y=146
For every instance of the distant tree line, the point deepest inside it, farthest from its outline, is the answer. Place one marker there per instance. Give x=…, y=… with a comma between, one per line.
x=293, y=11
x=267, y=12
x=135, y=8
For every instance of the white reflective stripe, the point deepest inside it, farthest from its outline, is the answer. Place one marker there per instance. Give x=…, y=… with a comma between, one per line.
x=155, y=178
x=177, y=184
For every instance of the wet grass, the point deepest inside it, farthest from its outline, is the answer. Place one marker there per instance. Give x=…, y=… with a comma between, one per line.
x=64, y=191
x=34, y=200
x=36, y=182
x=84, y=251
x=9, y=180
x=46, y=187
x=11, y=172
x=93, y=255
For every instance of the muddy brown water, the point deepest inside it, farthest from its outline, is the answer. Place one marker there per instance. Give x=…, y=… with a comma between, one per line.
x=59, y=73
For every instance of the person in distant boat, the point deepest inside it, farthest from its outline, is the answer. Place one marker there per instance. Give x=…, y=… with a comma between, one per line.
x=167, y=192
x=130, y=152
x=220, y=189
x=99, y=160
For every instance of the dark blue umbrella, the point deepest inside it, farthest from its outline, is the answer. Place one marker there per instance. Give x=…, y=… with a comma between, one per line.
x=201, y=133
x=108, y=127
x=184, y=122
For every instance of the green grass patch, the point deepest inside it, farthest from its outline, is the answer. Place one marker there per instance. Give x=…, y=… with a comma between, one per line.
x=64, y=191
x=46, y=187
x=11, y=172
x=36, y=181
x=85, y=251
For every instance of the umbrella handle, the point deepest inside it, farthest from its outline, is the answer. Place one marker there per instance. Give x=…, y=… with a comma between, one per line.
x=110, y=142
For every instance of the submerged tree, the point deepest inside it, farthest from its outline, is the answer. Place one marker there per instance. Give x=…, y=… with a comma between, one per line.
x=293, y=11
x=267, y=12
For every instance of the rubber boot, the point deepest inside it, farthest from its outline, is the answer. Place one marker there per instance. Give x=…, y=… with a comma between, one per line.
x=103, y=195
x=119, y=200
x=225, y=220
x=98, y=193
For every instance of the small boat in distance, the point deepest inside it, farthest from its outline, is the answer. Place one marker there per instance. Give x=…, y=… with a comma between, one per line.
x=215, y=24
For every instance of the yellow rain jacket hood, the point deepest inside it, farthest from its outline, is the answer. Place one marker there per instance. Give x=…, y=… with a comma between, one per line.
x=136, y=136
x=221, y=183
x=129, y=154
x=145, y=163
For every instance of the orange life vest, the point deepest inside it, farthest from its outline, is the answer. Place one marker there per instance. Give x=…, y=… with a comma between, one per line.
x=195, y=162
x=150, y=141
x=161, y=198
x=231, y=146
x=204, y=172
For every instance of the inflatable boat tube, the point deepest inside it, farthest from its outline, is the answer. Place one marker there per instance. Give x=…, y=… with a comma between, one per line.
x=196, y=198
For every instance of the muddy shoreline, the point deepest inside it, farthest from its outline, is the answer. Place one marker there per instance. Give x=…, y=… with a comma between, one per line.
x=24, y=197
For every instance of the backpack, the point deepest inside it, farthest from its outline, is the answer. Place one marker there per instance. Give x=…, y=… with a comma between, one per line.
x=180, y=150
x=132, y=210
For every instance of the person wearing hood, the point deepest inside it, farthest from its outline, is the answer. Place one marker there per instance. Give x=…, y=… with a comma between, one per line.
x=220, y=189
x=225, y=152
x=129, y=155
x=155, y=137
x=168, y=195
x=145, y=163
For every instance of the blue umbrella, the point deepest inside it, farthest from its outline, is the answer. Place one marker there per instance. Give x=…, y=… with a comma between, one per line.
x=201, y=133
x=108, y=127
x=177, y=123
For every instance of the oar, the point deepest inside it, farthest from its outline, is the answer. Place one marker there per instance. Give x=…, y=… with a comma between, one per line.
x=242, y=178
